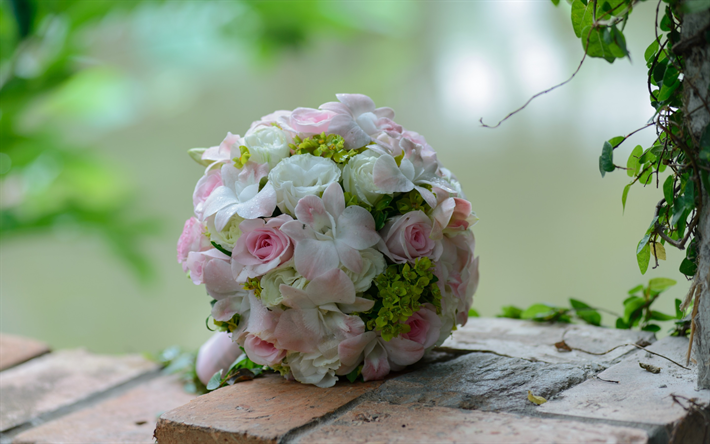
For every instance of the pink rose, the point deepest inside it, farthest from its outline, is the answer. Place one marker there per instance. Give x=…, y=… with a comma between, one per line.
x=191, y=239
x=218, y=353
x=203, y=189
x=263, y=352
x=261, y=247
x=311, y=121
x=424, y=326
x=451, y=216
x=407, y=238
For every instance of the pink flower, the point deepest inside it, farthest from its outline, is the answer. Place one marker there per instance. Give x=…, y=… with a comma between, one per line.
x=311, y=121
x=357, y=119
x=379, y=356
x=191, y=239
x=263, y=352
x=406, y=238
x=223, y=152
x=425, y=326
x=452, y=216
x=261, y=247
x=328, y=234
x=281, y=118
x=197, y=260
x=212, y=268
x=203, y=189
x=218, y=353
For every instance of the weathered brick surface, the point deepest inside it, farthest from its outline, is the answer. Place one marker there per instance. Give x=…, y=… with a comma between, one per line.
x=386, y=423
x=60, y=379
x=533, y=340
x=639, y=396
x=16, y=350
x=258, y=411
x=483, y=381
x=129, y=418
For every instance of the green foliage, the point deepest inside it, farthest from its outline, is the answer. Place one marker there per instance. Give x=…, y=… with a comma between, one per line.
x=331, y=147
x=638, y=310
x=510, y=311
x=176, y=361
x=394, y=205
x=242, y=369
x=398, y=293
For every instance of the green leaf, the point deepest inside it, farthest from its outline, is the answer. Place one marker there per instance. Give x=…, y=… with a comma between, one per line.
x=642, y=243
x=636, y=289
x=668, y=190
x=353, y=375
x=606, y=160
x=688, y=268
x=631, y=306
x=621, y=324
x=665, y=23
x=510, y=311
x=215, y=381
x=585, y=312
x=555, y=2
x=473, y=314
x=661, y=284
x=582, y=16
x=658, y=316
x=643, y=257
x=221, y=248
x=537, y=311
x=624, y=195
x=596, y=47
x=578, y=305
x=651, y=51
x=651, y=327
x=678, y=312
x=616, y=141
x=633, y=164
x=647, y=176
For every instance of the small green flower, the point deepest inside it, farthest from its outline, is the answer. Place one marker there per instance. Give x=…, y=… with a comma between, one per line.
x=243, y=158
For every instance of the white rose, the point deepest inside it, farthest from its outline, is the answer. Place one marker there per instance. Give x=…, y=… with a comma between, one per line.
x=299, y=176
x=267, y=144
x=357, y=178
x=229, y=235
x=314, y=368
x=270, y=294
x=373, y=264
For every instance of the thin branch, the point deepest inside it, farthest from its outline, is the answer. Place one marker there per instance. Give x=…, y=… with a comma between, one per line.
x=632, y=133
x=635, y=345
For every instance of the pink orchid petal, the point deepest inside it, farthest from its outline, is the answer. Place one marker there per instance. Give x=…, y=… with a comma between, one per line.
x=314, y=257
x=360, y=305
x=333, y=286
x=358, y=103
x=349, y=257
x=295, y=298
x=427, y=195
x=310, y=210
x=217, y=276
x=298, y=330
x=334, y=200
x=223, y=310
x=262, y=205
x=356, y=228
x=404, y=351
x=376, y=365
x=350, y=350
x=387, y=176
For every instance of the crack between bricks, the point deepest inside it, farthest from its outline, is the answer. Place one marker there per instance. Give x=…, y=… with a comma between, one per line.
x=92, y=400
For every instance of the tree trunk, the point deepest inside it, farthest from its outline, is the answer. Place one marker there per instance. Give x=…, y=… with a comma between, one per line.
x=697, y=74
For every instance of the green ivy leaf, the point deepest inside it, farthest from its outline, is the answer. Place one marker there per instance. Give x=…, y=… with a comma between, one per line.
x=537, y=311
x=353, y=375
x=651, y=52
x=636, y=289
x=688, y=268
x=596, y=47
x=632, y=305
x=621, y=324
x=643, y=257
x=585, y=312
x=606, y=160
x=678, y=312
x=668, y=190
x=582, y=16
x=651, y=327
x=661, y=284
x=472, y=313
x=555, y=2
x=624, y=195
x=215, y=381
x=510, y=311
x=633, y=164
x=658, y=316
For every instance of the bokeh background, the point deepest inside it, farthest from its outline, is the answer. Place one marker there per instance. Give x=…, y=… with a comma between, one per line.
x=99, y=102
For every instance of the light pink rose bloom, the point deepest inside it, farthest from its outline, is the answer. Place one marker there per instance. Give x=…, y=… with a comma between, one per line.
x=207, y=183
x=192, y=239
x=452, y=216
x=316, y=313
x=218, y=353
x=379, y=356
x=261, y=247
x=328, y=234
x=357, y=119
x=425, y=326
x=406, y=238
x=263, y=352
x=311, y=121
x=240, y=195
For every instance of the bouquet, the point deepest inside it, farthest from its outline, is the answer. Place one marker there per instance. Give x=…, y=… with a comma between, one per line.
x=331, y=241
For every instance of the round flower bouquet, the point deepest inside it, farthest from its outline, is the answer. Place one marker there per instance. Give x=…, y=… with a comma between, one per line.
x=331, y=241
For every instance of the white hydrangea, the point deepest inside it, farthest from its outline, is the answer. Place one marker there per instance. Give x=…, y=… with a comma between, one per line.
x=358, y=179
x=314, y=368
x=299, y=176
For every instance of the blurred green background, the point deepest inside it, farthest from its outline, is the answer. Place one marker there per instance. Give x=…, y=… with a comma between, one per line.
x=99, y=102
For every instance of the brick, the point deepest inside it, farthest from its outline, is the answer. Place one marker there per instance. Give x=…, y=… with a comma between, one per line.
x=372, y=422
x=61, y=379
x=258, y=411
x=640, y=396
x=129, y=418
x=16, y=350
x=536, y=341
x=483, y=381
